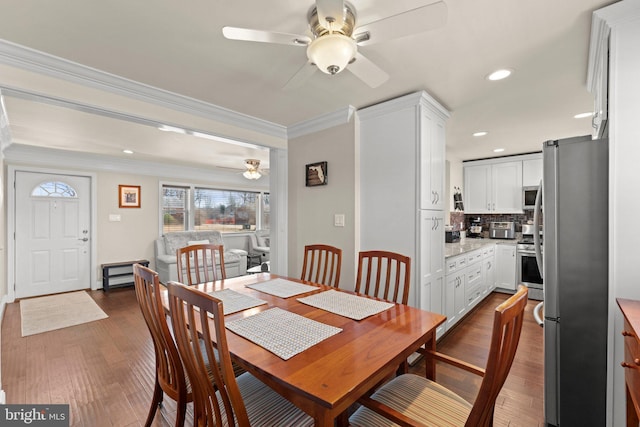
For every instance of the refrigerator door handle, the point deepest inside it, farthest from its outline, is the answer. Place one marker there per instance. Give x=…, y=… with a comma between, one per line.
x=536, y=227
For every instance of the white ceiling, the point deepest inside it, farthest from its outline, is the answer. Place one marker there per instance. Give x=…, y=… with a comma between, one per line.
x=179, y=47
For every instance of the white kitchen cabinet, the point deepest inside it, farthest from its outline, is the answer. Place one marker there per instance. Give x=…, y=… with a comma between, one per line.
x=455, y=306
x=489, y=269
x=402, y=146
x=506, y=266
x=531, y=172
x=493, y=187
x=432, y=263
x=431, y=161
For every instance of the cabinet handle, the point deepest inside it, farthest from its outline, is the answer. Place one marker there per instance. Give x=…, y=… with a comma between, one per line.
x=627, y=334
x=628, y=365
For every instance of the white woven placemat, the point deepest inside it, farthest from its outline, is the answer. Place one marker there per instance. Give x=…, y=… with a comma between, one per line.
x=233, y=301
x=282, y=288
x=283, y=333
x=347, y=305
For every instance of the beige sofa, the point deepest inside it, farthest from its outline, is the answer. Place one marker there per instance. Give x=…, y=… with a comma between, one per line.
x=259, y=245
x=235, y=260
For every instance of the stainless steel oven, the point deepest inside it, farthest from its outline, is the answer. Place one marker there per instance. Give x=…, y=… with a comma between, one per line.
x=528, y=272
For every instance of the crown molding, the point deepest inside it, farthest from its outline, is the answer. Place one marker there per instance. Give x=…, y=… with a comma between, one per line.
x=406, y=101
x=325, y=121
x=42, y=63
x=46, y=157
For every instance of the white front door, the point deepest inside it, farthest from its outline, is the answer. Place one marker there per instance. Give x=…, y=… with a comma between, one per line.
x=52, y=226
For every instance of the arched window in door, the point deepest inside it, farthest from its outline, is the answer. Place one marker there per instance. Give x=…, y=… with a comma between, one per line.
x=54, y=189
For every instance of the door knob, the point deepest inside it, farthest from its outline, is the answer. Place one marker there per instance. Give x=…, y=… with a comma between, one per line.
x=85, y=239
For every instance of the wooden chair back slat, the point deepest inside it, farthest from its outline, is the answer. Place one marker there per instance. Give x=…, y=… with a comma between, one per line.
x=507, y=326
x=322, y=264
x=170, y=377
x=212, y=378
x=199, y=263
x=397, y=275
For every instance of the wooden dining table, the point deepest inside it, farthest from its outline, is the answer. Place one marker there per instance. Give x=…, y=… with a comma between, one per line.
x=327, y=378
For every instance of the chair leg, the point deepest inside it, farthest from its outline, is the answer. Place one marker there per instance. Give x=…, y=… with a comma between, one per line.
x=155, y=402
x=181, y=410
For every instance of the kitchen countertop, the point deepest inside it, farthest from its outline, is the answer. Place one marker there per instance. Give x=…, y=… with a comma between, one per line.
x=469, y=244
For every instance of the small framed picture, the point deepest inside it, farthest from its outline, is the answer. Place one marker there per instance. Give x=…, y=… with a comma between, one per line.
x=128, y=196
x=316, y=174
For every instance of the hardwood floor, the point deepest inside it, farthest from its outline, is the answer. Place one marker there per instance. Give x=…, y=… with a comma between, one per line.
x=105, y=369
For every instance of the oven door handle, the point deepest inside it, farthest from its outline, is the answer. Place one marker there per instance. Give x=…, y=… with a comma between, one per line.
x=536, y=229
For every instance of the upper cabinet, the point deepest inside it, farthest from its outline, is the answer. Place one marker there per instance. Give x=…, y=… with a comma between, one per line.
x=493, y=188
x=495, y=185
x=598, y=75
x=432, y=149
x=531, y=172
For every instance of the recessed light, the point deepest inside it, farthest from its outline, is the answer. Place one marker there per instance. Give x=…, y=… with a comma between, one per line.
x=481, y=133
x=499, y=74
x=583, y=115
x=498, y=150
x=127, y=151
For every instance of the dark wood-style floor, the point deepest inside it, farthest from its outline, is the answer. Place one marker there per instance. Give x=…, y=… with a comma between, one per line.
x=105, y=369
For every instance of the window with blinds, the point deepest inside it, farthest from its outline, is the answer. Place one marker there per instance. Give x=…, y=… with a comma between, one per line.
x=199, y=208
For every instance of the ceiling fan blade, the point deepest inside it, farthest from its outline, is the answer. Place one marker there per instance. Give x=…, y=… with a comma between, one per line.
x=332, y=9
x=247, y=34
x=404, y=24
x=367, y=71
x=306, y=71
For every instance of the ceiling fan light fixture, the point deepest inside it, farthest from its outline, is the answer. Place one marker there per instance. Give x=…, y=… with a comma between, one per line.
x=252, y=166
x=332, y=52
x=251, y=174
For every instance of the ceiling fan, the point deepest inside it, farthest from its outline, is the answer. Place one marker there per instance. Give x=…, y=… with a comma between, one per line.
x=333, y=37
x=253, y=169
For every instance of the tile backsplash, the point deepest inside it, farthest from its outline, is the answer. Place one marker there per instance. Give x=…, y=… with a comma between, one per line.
x=458, y=218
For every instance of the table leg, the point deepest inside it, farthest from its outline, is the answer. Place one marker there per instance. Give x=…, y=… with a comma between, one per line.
x=430, y=362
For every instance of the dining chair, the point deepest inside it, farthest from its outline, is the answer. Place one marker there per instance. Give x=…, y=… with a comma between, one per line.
x=197, y=263
x=322, y=265
x=224, y=400
x=170, y=376
x=410, y=399
x=388, y=275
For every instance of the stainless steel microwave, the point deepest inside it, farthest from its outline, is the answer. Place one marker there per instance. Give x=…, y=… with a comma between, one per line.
x=529, y=197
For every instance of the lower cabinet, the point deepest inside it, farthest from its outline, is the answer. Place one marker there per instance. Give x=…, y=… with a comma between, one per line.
x=454, y=298
x=468, y=280
x=506, y=267
x=489, y=269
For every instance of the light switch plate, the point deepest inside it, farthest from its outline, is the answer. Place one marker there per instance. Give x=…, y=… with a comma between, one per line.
x=338, y=220
x=114, y=218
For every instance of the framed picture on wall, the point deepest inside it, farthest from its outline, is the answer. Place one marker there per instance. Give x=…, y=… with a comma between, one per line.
x=316, y=174
x=128, y=196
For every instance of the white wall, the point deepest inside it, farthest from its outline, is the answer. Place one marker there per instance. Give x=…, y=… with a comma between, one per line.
x=624, y=203
x=311, y=209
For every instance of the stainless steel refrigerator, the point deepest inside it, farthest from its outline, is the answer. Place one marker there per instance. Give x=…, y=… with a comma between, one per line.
x=575, y=273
